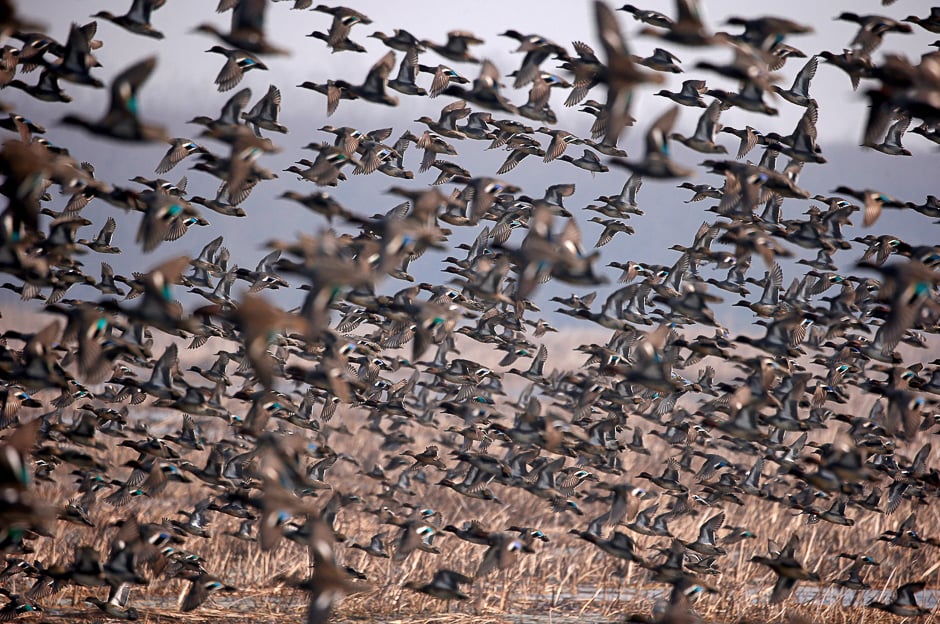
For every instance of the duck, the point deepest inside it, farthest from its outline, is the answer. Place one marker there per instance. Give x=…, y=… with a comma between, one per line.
x=931, y=23
x=457, y=47
x=237, y=64
x=622, y=74
x=121, y=121
x=904, y=602
x=404, y=82
x=689, y=95
x=619, y=545
x=789, y=571
x=686, y=29
x=707, y=543
x=400, y=40
x=334, y=92
x=891, y=145
x=661, y=60
x=537, y=49
x=114, y=606
x=706, y=130
x=373, y=88
x=799, y=93
x=246, y=31
x=444, y=586
x=502, y=552
x=137, y=18
x=202, y=585
x=484, y=91
x=670, y=478
x=75, y=59
x=588, y=161
x=46, y=89
x=344, y=18
x=264, y=114
x=657, y=163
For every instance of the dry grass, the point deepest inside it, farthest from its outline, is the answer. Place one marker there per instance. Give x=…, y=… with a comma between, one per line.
x=565, y=578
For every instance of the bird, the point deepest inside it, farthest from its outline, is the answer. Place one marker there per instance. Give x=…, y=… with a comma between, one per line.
x=237, y=63
x=657, y=162
x=622, y=74
x=891, y=144
x=484, y=91
x=618, y=545
x=661, y=60
x=201, y=587
x=904, y=603
x=373, y=88
x=799, y=93
x=706, y=130
x=180, y=148
x=344, y=18
x=457, y=47
x=247, y=29
x=689, y=95
x=264, y=114
x=137, y=18
x=444, y=586
x=707, y=543
x=789, y=571
x=121, y=121
x=388, y=354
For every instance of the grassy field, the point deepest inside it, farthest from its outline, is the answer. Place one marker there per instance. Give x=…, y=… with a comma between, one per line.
x=564, y=577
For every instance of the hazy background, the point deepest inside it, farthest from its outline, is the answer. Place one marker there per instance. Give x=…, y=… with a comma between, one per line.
x=182, y=87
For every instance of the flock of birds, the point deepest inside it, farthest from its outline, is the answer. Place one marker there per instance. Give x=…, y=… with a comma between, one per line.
x=778, y=430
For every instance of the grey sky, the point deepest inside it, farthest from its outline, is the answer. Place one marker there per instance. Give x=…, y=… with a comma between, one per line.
x=182, y=87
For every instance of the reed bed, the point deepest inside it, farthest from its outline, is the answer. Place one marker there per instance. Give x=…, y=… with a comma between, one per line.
x=565, y=577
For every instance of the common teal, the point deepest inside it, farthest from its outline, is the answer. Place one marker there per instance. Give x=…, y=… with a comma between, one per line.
x=657, y=163
x=237, y=63
x=137, y=18
x=904, y=602
x=247, y=30
x=121, y=121
x=742, y=422
x=445, y=585
x=706, y=130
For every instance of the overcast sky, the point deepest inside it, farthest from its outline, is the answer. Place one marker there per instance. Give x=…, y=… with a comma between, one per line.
x=182, y=87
